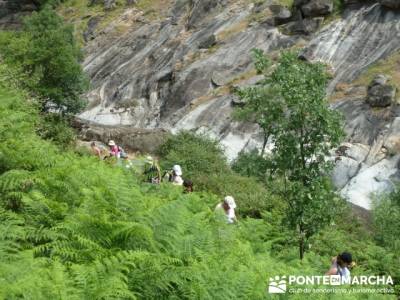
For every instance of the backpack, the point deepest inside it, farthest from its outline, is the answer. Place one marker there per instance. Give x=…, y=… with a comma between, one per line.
x=122, y=152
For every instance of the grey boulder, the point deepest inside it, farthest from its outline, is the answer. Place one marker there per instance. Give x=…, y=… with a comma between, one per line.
x=281, y=15
x=380, y=94
x=316, y=8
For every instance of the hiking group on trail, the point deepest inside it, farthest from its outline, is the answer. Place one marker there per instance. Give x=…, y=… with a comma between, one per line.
x=152, y=174
x=340, y=264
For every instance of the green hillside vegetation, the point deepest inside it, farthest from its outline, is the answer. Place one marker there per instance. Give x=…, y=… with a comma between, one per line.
x=75, y=227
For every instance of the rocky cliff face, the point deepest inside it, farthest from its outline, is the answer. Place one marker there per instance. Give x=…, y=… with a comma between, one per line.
x=176, y=72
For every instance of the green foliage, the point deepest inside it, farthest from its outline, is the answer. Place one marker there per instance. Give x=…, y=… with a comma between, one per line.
x=56, y=129
x=338, y=6
x=387, y=221
x=291, y=109
x=251, y=164
x=74, y=227
x=196, y=154
x=45, y=58
x=204, y=163
x=261, y=62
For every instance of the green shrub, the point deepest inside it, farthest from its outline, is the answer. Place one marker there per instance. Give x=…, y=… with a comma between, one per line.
x=46, y=58
x=56, y=129
x=251, y=164
x=386, y=217
x=195, y=153
x=251, y=197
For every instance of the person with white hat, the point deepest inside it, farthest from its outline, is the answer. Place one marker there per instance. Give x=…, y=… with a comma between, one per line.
x=176, y=178
x=114, y=149
x=228, y=207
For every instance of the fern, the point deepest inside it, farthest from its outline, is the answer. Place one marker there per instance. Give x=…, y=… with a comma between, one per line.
x=84, y=229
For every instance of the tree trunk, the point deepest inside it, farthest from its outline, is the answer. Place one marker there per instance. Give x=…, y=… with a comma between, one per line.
x=301, y=246
x=266, y=137
x=301, y=241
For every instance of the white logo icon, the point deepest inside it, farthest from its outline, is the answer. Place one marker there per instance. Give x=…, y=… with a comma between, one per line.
x=335, y=280
x=277, y=285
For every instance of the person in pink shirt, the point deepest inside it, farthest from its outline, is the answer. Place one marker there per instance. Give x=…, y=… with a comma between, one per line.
x=114, y=149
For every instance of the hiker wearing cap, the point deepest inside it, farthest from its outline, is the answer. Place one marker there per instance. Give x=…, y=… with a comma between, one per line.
x=188, y=186
x=228, y=207
x=152, y=170
x=340, y=265
x=114, y=149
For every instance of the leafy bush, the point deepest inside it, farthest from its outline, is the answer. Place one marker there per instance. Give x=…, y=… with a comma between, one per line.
x=251, y=164
x=195, y=153
x=56, y=129
x=386, y=217
x=46, y=58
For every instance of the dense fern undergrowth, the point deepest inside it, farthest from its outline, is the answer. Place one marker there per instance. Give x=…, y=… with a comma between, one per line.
x=73, y=227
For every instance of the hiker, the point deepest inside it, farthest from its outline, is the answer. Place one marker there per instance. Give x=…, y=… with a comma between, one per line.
x=96, y=150
x=188, y=186
x=114, y=149
x=228, y=206
x=176, y=177
x=152, y=170
x=122, y=153
x=340, y=265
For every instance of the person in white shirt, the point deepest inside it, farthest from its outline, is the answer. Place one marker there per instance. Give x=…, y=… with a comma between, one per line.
x=340, y=266
x=176, y=178
x=228, y=206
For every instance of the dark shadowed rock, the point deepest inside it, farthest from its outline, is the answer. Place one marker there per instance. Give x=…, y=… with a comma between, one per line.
x=12, y=12
x=380, y=94
x=238, y=102
x=208, y=42
x=316, y=8
x=303, y=26
x=281, y=15
x=352, y=3
x=90, y=32
x=394, y=4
